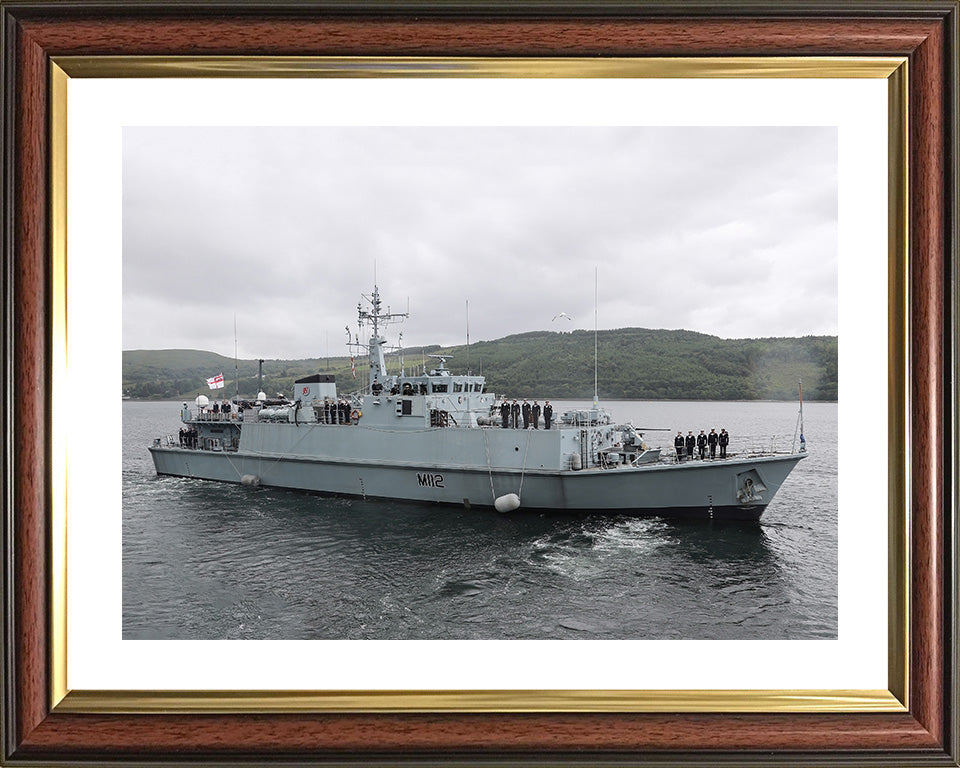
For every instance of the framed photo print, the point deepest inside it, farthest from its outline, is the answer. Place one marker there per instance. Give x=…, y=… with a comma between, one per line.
x=541, y=383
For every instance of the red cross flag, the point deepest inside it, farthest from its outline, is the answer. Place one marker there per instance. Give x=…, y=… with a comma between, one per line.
x=216, y=382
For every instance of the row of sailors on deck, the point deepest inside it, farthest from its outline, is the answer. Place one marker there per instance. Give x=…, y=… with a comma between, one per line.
x=331, y=412
x=688, y=443
x=188, y=438
x=511, y=413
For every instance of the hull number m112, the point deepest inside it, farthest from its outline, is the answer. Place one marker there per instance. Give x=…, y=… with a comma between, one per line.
x=429, y=480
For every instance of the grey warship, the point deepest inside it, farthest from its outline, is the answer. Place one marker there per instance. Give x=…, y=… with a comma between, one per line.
x=435, y=437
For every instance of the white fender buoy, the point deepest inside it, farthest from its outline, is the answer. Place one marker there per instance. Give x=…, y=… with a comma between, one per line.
x=575, y=461
x=507, y=503
x=253, y=480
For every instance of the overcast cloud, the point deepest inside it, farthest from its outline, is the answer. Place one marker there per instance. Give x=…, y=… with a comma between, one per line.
x=727, y=231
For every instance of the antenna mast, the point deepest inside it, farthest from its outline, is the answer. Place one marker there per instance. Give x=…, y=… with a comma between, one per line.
x=595, y=294
x=375, y=318
x=468, y=336
x=803, y=440
x=400, y=352
x=236, y=359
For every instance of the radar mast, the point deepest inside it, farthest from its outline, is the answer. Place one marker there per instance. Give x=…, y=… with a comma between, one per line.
x=376, y=318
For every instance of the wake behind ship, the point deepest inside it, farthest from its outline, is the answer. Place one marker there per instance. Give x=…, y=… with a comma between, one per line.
x=439, y=437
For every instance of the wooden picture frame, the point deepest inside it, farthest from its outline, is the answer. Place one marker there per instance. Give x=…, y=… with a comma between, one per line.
x=38, y=730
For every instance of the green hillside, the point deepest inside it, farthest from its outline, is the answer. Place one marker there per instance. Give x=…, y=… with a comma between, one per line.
x=634, y=363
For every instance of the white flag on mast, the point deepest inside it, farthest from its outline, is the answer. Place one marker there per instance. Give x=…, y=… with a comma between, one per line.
x=216, y=382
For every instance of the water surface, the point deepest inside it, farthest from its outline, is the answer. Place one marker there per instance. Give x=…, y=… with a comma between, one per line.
x=205, y=560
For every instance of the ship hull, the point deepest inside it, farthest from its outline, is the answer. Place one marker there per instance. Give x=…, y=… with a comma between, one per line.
x=695, y=489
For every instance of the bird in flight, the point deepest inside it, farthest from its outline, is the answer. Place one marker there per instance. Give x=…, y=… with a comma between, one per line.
x=562, y=314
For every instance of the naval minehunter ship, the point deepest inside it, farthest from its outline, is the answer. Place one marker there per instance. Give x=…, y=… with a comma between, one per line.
x=434, y=437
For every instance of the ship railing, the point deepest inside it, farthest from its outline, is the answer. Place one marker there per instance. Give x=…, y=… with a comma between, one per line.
x=741, y=447
x=584, y=417
x=761, y=445
x=211, y=416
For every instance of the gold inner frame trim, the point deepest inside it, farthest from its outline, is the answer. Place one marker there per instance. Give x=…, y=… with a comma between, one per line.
x=544, y=701
x=893, y=69
x=429, y=66
x=58, y=371
x=898, y=383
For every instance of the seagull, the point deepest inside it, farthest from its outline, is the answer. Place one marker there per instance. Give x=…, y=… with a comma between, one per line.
x=562, y=314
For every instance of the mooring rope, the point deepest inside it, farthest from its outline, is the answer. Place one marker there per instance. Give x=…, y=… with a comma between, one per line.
x=523, y=469
x=486, y=448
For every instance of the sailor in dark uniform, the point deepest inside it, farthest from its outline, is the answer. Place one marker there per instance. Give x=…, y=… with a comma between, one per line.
x=691, y=443
x=547, y=414
x=712, y=440
x=526, y=414
x=505, y=414
x=724, y=441
x=678, y=444
x=535, y=413
x=701, y=443
x=515, y=414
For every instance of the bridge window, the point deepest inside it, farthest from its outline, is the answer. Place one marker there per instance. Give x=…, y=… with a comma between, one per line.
x=457, y=386
x=439, y=387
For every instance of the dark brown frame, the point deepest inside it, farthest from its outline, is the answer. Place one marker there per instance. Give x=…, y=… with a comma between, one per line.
x=925, y=32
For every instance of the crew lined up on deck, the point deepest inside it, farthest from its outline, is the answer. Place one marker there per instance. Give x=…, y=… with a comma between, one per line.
x=332, y=412
x=685, y=445
x=511, y=414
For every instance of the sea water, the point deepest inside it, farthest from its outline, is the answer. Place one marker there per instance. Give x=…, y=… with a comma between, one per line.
x=205, y=560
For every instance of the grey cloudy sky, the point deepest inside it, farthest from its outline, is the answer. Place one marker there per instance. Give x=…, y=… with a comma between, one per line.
x=728, y=231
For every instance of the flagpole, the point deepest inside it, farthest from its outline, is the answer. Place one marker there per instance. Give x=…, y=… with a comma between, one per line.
x=595, y=295
x=236, y=359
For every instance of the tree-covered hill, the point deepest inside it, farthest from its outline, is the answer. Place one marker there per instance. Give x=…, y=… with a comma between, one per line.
x=634, y=363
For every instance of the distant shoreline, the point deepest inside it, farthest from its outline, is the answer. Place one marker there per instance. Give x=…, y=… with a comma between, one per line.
x=656, y=365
